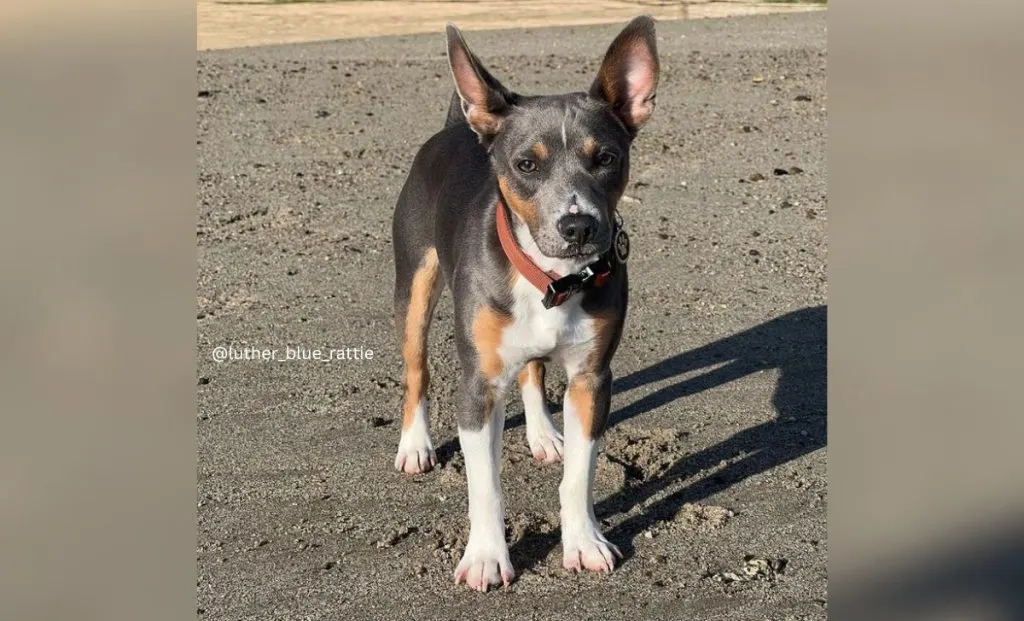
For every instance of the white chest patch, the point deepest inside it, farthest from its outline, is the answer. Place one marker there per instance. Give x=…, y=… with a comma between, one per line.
x=565, y=333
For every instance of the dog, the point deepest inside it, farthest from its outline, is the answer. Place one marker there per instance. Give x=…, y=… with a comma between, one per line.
x=513, y=204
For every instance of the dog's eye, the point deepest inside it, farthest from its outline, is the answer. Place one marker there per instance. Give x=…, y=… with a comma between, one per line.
x=526, y=165
x=606, y=158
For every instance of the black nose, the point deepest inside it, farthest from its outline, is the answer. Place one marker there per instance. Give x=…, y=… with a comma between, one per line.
x=576, y=228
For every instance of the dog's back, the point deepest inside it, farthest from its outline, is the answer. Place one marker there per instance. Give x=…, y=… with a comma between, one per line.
x=439, y=198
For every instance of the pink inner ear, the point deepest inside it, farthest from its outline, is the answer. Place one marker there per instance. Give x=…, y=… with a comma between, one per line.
x=640, y=85
x=468, y=81
x=639, y=74
x=474, y=94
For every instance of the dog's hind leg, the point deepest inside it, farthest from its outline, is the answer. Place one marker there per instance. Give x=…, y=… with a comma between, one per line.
x=545, y=441
x=416, y=293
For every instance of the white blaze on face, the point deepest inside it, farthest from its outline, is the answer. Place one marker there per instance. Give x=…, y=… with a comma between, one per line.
x=565, y=119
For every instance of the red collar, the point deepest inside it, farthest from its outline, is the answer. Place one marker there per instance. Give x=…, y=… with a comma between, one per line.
x=556, y=288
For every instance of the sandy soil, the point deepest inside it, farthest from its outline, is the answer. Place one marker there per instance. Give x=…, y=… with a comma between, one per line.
x=227, y=24
x=713, y=481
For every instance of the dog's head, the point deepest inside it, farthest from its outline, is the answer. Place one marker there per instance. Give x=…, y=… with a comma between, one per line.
x=562, y=161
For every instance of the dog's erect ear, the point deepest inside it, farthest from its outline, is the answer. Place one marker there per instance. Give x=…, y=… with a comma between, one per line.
x=485, y=102
x=628, y=77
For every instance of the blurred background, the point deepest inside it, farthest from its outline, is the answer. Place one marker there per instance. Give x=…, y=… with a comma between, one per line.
x=241, y=23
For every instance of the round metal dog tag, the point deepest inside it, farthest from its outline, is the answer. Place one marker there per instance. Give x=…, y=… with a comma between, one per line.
x=621, y=246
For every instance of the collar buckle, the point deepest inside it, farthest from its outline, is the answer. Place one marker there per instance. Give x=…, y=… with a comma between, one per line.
x=560, y=290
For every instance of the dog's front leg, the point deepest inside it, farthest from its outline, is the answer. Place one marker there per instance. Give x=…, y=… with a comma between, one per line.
x=481, y=419
x=587, y=402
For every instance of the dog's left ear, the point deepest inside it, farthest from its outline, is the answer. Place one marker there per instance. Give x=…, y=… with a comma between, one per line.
x=628, y=78
x=485, y=102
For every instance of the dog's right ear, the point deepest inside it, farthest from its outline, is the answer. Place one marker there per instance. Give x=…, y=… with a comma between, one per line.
x=485, y=102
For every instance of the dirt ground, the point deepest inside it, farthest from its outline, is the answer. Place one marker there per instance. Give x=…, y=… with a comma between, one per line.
x=713, y=479
x=241, y=23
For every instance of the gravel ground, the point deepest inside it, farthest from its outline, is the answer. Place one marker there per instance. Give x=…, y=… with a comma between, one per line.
x=713, y=479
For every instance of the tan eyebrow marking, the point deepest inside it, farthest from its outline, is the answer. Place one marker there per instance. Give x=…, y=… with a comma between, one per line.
x=541, y=151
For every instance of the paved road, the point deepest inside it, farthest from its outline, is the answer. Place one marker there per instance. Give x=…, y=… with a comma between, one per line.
x=713, y=481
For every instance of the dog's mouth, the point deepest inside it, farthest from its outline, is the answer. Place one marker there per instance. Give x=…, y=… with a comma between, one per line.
x=581, y=251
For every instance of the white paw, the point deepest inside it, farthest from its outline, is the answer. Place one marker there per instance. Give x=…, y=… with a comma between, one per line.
x=484, y=565
x=588, y=549
x=415, y=452
x=545, y=441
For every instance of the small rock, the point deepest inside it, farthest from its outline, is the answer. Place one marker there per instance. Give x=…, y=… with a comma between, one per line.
x=786, y=204
x=396, y=537
x=802, y=98
x=754, y=252
x=757, y=79
x=329, y=565
x=204, y=381
x=322, y=114
x=778, y=172
x=380, y=421
x=293, y=271
x=795, y=170
x=811, y=214
x=756, y=177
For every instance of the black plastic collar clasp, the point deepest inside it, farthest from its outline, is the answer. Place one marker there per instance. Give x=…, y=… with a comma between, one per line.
x=565, y=287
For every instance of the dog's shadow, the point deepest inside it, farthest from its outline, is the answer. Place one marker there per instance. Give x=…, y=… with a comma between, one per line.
x=795, y=344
